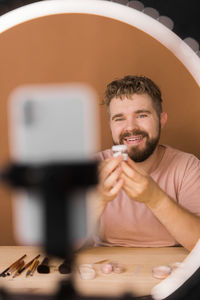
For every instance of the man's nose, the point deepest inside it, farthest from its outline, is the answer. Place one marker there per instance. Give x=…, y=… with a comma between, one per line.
x=131, y=124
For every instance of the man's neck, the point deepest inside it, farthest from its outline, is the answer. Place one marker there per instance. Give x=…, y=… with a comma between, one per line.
x=152, y=162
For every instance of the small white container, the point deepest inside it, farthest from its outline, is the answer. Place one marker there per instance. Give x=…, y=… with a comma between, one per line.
x=120, y=150
x=87, y=272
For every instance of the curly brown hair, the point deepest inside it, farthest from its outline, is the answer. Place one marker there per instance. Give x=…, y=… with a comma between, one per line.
x=129, y=85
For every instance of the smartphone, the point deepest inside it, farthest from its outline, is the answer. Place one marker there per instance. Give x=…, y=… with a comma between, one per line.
x=51, y=123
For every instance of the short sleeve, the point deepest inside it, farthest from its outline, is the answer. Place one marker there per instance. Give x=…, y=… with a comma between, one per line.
x=189, y=194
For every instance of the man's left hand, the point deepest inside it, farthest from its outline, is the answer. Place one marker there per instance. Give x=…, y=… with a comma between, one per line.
x=139, y=185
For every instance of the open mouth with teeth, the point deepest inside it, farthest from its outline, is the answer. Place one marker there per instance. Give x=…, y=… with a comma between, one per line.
x=133, y=140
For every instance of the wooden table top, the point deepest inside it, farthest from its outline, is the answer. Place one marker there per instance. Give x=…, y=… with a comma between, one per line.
x=136, y=279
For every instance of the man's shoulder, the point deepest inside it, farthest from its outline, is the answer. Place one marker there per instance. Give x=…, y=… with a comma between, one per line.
x=173, y=155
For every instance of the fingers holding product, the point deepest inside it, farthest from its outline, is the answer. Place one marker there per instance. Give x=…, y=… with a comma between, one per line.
x=109, y=175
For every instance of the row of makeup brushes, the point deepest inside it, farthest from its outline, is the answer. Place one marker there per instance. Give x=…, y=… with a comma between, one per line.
x=19, y=266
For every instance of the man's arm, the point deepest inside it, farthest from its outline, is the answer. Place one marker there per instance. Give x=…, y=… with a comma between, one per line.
x=180, y=223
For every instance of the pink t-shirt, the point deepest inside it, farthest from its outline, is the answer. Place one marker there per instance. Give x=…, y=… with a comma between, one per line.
x=128, y=223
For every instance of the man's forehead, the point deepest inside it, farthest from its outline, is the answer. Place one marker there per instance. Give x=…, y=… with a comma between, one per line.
x=135, y=101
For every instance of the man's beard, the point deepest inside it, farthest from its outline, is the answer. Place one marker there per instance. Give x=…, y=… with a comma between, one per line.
x=134, y=152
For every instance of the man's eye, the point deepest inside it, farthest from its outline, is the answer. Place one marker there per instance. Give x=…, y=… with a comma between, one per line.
x=142, y=116
x=119, y=119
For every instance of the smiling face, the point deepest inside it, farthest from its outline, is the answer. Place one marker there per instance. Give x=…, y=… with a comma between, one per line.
x=135, y=123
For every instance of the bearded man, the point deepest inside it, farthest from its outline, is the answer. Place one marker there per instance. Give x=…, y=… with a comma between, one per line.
x=153, y=198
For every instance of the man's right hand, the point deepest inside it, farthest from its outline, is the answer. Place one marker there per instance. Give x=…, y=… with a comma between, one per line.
x=110, y=182
x=109, y=185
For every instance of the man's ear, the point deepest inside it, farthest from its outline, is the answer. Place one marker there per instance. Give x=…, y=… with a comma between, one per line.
x=163, y=119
